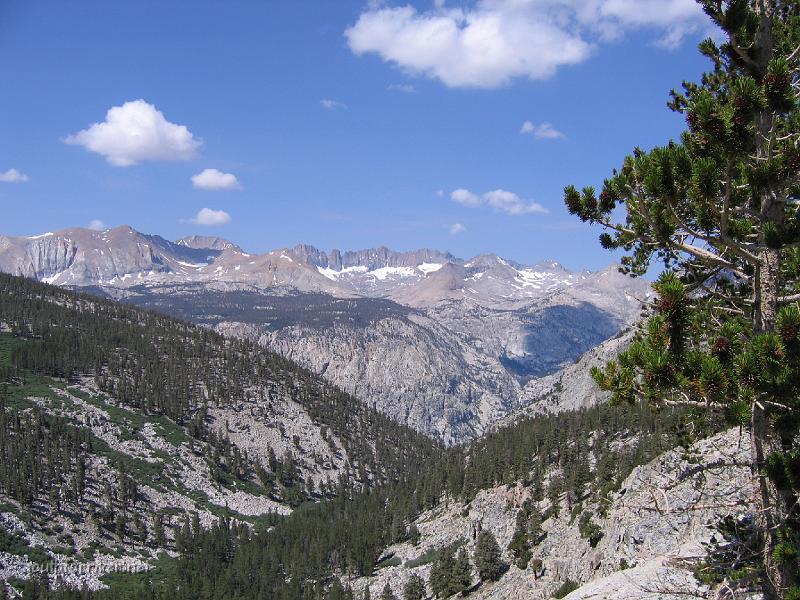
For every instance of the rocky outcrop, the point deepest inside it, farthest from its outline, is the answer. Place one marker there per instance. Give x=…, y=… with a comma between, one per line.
x=372, y=258
x=207, y=242
x=453, y=370
x=653, y=531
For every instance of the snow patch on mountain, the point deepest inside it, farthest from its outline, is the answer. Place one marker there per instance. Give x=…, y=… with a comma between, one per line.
x=334, y=275
x=385, y=272
x=429, y=267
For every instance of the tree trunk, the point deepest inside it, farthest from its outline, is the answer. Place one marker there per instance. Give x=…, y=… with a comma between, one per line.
x=767, y=501
x=764, y=497
x=767, y=290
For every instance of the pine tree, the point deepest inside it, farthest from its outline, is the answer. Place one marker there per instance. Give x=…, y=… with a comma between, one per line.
x=528, y=533
x=443, y=574
x=554, y=490
x=413, y=534
x=336, y=590
x=120, y=526
x=589, y=530
x=159, y=535
x=519, y=546
x=534, y=523
x=462, y=570
x=487, y=557
x=387, y=593
x=180, y=541
x=720, y=209
x=414, y=588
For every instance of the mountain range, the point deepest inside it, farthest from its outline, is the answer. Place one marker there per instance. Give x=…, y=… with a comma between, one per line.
x=446, y=345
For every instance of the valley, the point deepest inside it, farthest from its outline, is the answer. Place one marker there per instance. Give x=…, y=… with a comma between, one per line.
x=245, y=439
x=447, y=346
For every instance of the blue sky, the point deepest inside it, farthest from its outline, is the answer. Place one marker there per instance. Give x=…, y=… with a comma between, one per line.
x=345, y=124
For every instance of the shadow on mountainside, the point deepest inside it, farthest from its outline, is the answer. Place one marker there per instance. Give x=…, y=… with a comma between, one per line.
x=201, y=305
x=558, y=335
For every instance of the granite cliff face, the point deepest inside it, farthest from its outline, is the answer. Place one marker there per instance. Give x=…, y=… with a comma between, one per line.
x=371, y=259
x=654, y=531
x=449, y=346
x=414, y=369
x=456, y=368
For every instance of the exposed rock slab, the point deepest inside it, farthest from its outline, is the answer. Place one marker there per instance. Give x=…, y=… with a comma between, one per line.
x=653, y=532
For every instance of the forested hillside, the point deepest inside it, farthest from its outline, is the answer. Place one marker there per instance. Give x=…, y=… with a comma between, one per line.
x=316, y=550
x=161, y=366
x=122, y=431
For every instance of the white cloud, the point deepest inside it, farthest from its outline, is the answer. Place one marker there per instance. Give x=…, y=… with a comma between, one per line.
x=96, y=224
x=134, y=132
x=491, y=42
x=329, y=104
x=465, y=197
x=214, y=179
x=674, y=19
x=510, y=203
x=439, y=193
x=457, y=228
x=209, y=217
x=13, y=176
x=543, y=131
x=500, y=200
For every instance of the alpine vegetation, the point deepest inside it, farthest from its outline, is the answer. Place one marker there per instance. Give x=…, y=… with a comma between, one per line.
x=720, y=209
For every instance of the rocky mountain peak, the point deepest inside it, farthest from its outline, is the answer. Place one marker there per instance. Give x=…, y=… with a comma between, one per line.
x=207, y=242
x=123, y=257
x=549, y=265
x=370, y=258
x=486, y=260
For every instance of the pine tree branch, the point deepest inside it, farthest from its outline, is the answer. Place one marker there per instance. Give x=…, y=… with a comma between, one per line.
x=790, y=298
x=788, y=136
x=705, y=255
x=702, y=279
x=773, y=132
x=794, y=55
x=726, y=202
x=776, y=405
x=691, y=403
x=639, y=207
x=738, y=249
x=742, y=54
x=745, y=212
x=735, y=311
x=617, y=228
